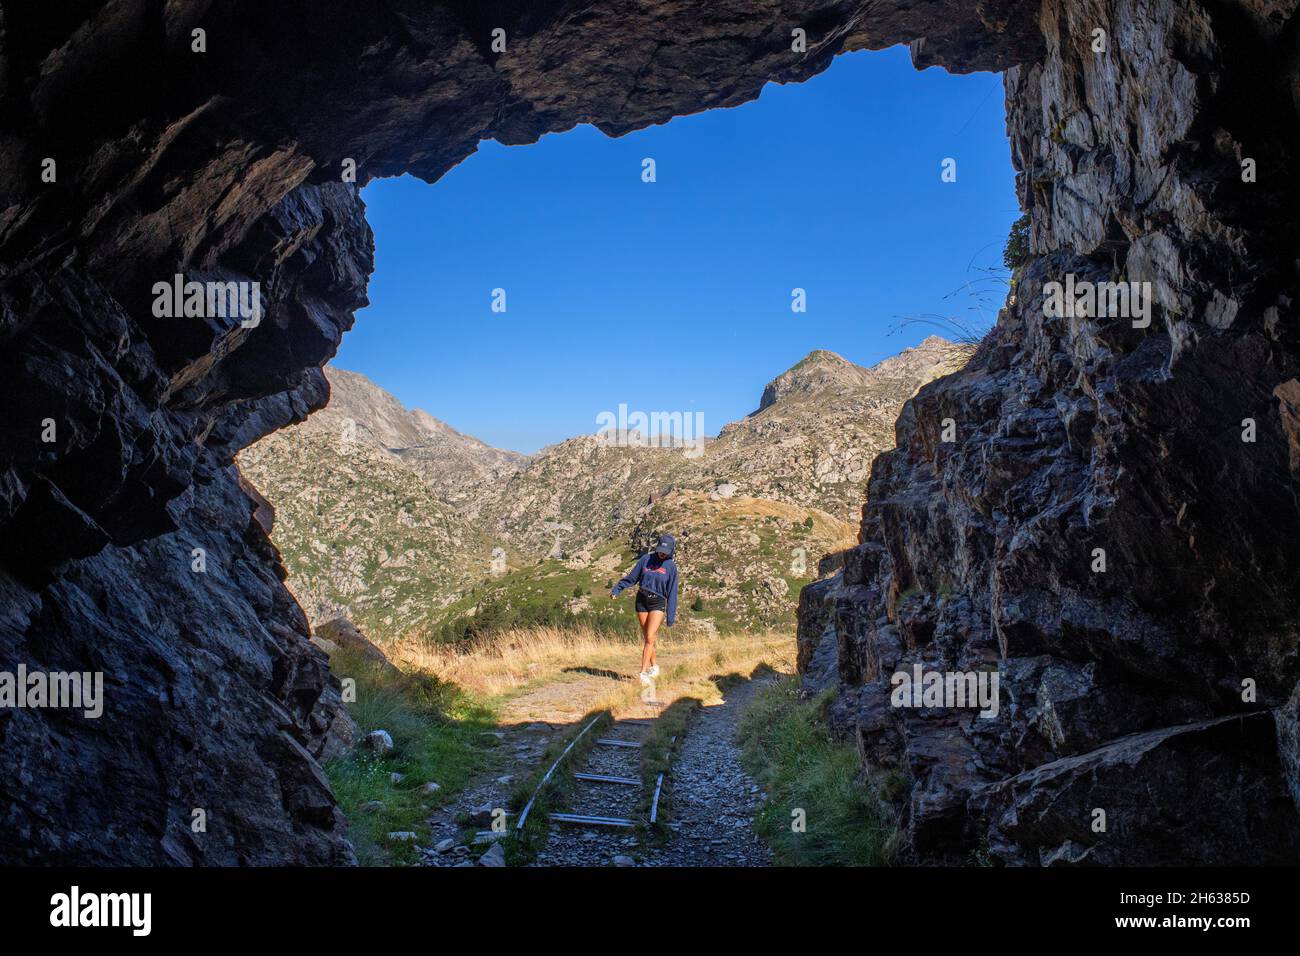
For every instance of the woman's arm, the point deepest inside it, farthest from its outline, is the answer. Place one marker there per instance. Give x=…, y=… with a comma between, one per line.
x=633, y=576
x=672, y=597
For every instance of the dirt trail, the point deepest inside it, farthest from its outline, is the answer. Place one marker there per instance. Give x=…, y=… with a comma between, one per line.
x=714, y=800
x=529, y=720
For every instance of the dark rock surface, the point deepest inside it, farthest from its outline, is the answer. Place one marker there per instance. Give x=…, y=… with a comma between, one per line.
x=225, y=166
x=1121, y=691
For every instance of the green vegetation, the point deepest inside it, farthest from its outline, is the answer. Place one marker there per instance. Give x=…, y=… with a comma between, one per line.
x=786, y=748
x=439, y=735
x=657, y=750
x=1016, y=251
x=547, y=594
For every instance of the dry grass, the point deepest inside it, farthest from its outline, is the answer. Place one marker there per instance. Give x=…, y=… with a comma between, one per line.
x=511, y=665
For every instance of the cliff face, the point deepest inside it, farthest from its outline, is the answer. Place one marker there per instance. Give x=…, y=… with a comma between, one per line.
x=129, y=155
x=1123, y=690
x=141, y=140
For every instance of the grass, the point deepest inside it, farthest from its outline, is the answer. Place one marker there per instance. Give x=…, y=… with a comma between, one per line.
x=503, y=666
x=657, y=750
x=788, y=751
x=441, y=702
x=439, y=734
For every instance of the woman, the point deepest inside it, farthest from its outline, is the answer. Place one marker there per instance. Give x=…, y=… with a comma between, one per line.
x=655, y=575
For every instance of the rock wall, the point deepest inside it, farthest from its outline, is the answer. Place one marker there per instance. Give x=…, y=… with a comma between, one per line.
x=129, y=155
x=1124, y=691
x=140, y=140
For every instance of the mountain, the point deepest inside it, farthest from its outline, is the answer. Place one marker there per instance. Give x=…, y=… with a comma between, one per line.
x=742, y=561
x=394, y=518
x=456, y=466
x=811, y=442
x=362, y=533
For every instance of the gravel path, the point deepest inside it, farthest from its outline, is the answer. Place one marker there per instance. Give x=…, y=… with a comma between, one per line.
x=714, y=801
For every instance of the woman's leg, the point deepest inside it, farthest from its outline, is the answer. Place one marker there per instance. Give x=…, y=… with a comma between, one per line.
x=643, y=618
x=654, y=619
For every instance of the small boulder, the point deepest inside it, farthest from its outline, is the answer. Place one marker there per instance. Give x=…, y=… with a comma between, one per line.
x=495, y=856
x=431, y=787
x=401, y=836
x=343, y=633
x=379, y=741
x=445, y=846
x=481, y=816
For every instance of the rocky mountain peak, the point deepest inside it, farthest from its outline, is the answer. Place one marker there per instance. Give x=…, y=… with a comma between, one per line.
x=823, y=372
x=819, y=371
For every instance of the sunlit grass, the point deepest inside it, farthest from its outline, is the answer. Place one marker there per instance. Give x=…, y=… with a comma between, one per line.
x=787, y=749
x=505, y=665
x=440, y=702
x=438, y=736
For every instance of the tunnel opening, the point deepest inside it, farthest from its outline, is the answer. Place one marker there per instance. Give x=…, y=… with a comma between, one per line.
x=579, y=333
x=1112, y=522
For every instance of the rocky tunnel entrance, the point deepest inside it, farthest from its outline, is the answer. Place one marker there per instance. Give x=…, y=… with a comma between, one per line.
x=1152, y=141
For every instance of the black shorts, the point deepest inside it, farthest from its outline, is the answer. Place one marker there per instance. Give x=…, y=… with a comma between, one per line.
x=649, y=601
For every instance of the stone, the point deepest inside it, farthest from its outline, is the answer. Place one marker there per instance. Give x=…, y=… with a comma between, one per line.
x=482, y=815
x=378, y=741
x=495, y=856
x=343, y=633
x=1123, y=688
x=1071, y=435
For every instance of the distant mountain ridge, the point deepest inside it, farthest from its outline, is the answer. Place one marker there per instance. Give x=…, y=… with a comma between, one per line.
x=457, y=466
x=391, y=515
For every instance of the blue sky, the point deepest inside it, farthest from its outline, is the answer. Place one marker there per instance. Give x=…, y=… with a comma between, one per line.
x=675, y=295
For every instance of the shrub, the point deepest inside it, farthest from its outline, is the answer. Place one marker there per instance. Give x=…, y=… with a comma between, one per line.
x=1016, y=251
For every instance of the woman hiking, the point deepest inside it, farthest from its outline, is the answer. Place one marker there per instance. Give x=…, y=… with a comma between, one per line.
x=655, y=575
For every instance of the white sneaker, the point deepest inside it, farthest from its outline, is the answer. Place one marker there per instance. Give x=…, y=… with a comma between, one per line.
x=653, y=671
x=645, y=678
